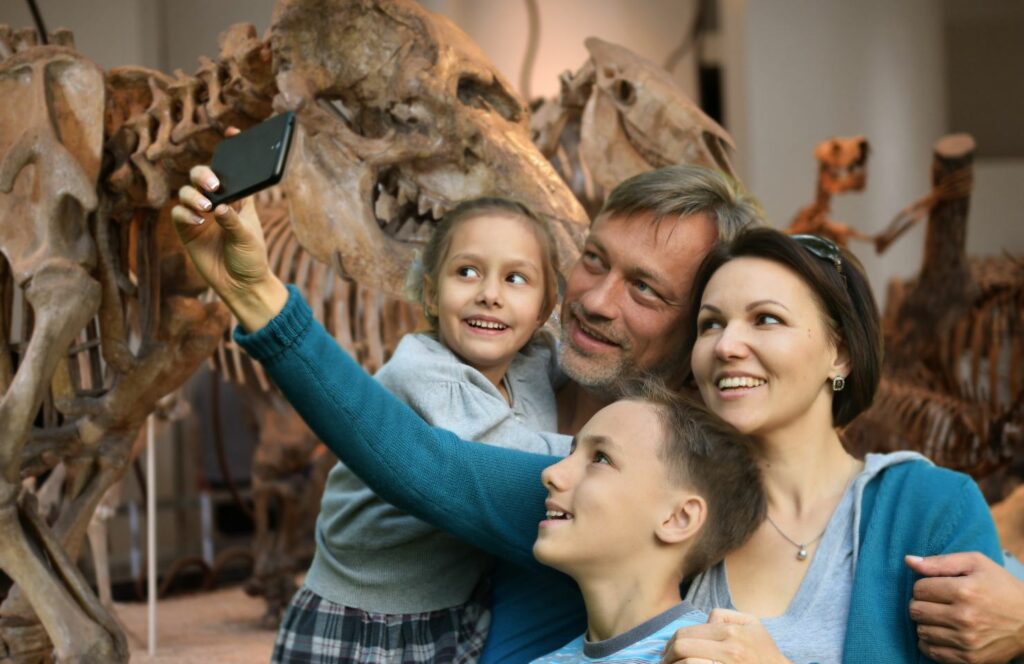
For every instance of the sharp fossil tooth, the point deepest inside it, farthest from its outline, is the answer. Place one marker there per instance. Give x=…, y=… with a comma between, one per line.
x=386, y=206
x=424, y=206
x=437, y=211
x=393, y=226
x=424, y=231
x=406, y=192
x=408, y=230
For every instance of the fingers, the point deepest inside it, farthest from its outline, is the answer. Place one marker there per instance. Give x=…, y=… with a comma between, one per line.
x=940, y=636
x=730, y=617
x=940, y=590
x=943, y=653
x=952, y=564
x=707, y=631
x=183, y=216
x=203, y=178
x=932, y=613
x=194, y=200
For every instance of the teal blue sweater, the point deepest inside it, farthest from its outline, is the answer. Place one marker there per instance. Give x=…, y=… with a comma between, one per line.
x=493, y=498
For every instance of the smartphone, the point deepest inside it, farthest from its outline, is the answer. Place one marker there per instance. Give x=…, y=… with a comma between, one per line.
x=251, y=160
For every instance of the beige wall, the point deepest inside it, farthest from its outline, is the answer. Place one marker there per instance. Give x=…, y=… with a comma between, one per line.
x=111, y=32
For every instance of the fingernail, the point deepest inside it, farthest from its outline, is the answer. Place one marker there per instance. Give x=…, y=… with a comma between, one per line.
x=197, y=220
x=205, y=204
x=914, y=559
x=221, y=210
x=212, y=183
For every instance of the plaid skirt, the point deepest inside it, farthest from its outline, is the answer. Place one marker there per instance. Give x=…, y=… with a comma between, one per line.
x=315, y=630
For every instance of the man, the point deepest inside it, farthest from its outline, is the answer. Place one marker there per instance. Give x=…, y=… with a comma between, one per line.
x=627, y=298
x=624, y=310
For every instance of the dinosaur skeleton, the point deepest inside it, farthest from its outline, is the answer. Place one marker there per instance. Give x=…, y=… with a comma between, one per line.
x=620, y=115
x=399, y=117
x=842, y=167
x=954, y=338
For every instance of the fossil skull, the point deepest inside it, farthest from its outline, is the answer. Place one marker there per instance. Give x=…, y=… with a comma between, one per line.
x=842, y=164
x=638, y=119
x=399, y=117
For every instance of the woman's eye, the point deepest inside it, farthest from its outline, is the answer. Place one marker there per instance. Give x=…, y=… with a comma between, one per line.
x=768, y=319
x=516, y=278
x=601, y=457
x=467, y=271
x=706, y=324
x=591, y=259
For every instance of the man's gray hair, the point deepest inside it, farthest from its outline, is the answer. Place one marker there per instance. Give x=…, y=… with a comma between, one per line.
x=684, y=190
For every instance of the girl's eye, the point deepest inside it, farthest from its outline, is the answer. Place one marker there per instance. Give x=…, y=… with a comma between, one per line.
x=591, y=259
x=467, y=271
x=601, y=457
x=515, y=278
x=768, y=319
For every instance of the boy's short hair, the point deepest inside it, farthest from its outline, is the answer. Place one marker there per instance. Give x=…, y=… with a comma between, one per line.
x=706, y=453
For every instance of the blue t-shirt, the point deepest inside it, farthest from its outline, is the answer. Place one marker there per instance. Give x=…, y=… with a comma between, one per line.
x=644, y=643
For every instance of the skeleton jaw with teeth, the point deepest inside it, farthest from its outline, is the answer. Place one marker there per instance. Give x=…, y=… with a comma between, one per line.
x=400, y=117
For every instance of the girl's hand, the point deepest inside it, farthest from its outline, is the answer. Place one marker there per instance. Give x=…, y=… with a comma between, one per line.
x=729, y=637
x=227, y=247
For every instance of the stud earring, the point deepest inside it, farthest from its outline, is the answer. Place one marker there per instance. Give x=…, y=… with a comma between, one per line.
x=838, y=383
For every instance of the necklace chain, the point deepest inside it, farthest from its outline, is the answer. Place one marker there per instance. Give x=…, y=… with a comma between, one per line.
x=801, y=553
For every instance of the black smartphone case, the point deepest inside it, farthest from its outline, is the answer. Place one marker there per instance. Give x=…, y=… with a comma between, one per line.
x=251, y=160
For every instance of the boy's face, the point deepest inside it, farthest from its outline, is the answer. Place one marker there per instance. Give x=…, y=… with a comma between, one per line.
x=607, y=499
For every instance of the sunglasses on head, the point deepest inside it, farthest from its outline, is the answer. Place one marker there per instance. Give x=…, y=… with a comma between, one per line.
x=823, y=248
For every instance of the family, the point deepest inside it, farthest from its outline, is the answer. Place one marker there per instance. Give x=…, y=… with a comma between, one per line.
x=662, y=482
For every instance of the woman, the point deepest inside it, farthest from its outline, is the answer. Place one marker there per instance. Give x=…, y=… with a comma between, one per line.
x=787, y=348
x=492, y=497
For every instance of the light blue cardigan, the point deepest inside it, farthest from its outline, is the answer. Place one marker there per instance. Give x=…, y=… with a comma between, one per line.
x=493, y=498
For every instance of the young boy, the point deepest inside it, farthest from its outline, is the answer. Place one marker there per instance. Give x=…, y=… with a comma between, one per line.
x=655, y=489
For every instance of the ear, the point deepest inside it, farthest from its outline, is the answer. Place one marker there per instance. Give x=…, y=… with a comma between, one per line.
x=429, y=295
x=687, y=517
x=841, y=363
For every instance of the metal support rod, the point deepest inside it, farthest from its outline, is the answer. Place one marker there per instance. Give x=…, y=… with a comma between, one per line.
x=151, y=529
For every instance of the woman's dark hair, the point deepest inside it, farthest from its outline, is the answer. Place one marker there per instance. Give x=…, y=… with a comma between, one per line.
x=837, y=279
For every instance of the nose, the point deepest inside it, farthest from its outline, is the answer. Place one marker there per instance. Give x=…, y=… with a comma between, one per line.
x=731, y=343
x=556, y=476
x=601, y=299
x=490, y=292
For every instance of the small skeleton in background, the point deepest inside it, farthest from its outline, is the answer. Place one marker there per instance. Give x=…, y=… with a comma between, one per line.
x=842, y=167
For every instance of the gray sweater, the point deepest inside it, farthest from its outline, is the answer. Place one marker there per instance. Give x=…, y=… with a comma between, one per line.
x=370, y=555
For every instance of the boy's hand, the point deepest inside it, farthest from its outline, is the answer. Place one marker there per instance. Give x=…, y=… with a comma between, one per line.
x=729, y=637
x=967, y=608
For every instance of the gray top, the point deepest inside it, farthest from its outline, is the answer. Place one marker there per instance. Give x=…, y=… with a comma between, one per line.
x=370, y=555
x=813, y=628
x=643, y=644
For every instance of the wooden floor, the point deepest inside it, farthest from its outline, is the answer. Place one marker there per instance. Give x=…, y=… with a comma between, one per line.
x=216, y=627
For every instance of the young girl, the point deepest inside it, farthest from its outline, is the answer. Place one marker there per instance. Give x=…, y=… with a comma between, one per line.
x=385, y=586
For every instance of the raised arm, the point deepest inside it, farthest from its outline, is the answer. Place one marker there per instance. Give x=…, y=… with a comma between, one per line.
x=489, y=496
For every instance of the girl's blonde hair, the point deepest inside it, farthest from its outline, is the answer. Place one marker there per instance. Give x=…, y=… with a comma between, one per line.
x=427, y=266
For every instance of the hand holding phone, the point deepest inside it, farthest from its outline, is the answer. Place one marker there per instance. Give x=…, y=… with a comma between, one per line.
x=252, y=160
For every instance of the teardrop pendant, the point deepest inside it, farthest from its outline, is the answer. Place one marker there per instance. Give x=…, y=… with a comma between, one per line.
x=802, y=553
